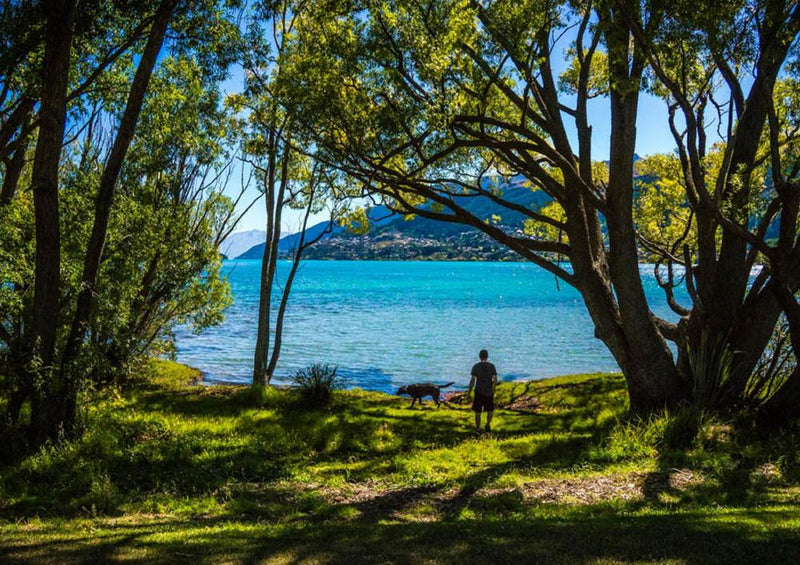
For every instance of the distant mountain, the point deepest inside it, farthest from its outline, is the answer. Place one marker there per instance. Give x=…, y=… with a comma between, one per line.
x=470, y=245
x=378, y=216
x=479, y=206
x=394, y=237
x=239, y=242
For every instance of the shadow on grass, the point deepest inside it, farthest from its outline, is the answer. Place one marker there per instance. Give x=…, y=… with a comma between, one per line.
x=686, y=538
x=229, y=439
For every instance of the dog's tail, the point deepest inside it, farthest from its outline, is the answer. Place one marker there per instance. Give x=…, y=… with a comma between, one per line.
x=447, y=385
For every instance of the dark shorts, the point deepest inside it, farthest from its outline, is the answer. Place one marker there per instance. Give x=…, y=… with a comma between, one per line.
x=483, y=402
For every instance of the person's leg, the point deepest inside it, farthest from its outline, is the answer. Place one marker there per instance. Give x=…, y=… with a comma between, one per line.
x=489, y=415
x=477, y=408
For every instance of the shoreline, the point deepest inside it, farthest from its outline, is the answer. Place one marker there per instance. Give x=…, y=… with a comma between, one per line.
x=201, y=379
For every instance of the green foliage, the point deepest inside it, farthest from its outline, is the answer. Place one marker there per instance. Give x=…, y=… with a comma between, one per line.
x=164, y=375
x=544, y=231
x=16, y=248
x=661, y=209
x=316, y=383
x=356, y=221
x=776, y=365
x=161, y=263
x=159, y=267
x=682, y=427
x=711, y=362
x=684, y=436
x=598, y=83
x=787, y=103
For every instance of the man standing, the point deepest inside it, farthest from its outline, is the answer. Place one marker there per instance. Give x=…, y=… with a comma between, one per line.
x=484, y=380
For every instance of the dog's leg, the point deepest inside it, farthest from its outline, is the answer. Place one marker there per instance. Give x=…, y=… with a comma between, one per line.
x=413, y=400
x=436, y=398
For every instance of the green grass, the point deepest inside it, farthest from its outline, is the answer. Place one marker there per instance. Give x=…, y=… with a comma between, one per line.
x=168, y=472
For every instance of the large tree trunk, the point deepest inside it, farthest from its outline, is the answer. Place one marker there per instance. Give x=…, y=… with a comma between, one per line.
x=747, y=324
x=643, y=353
x=47, y=407
x=649, y=367
x=749, y=337
x=105, y=198
x=648, y=390
x=726, y=312
x=732, y=271
x=784, y=405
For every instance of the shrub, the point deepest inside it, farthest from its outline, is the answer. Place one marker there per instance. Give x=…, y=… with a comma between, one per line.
x=776, y=364
x=681, y=427
x=711, y=361
x=633, y=439
x=662, y=432
x=317, y=382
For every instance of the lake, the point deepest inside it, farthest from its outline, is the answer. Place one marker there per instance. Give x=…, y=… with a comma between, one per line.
x=386, y=323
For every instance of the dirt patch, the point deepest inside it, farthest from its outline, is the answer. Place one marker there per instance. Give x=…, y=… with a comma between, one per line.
x=591, y=490
x=455, y=398
x=524, y=403
x=398, y=502
x=371, y=500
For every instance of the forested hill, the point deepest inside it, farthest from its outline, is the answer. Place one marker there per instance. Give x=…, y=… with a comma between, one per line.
x=394, y=237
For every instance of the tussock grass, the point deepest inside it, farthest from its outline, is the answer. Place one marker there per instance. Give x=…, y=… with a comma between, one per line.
x=169, y=472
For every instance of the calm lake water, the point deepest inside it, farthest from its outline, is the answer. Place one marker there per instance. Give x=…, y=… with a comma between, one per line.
x=386, y=323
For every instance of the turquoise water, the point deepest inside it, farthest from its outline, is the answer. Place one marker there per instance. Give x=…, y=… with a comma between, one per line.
x=386, y=323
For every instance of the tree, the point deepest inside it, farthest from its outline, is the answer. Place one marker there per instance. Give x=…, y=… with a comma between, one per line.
x=20, y=35
x=423, y=102
x=288, y=175
x=67, y=391
x=729, y=67
x=82, y=90
x=162, y=266
x=55, y=77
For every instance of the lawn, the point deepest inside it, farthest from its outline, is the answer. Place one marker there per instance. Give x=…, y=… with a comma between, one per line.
x=171, y=472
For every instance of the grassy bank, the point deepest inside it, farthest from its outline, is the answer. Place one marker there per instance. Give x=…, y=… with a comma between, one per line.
x=169, y=472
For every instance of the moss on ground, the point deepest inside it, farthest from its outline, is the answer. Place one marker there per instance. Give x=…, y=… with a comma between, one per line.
x=175, y=472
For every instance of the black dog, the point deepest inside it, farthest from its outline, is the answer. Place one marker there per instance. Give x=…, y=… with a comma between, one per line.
x=417, y=391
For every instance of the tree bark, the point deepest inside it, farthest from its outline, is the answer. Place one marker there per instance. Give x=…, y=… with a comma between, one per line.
x=274, y=194
x=732, y=270
x=749, y=337
x=278, y=336
x=18, y=120
x=784, y=405
x=302, y=245
x=260, y=375
x=647, y=360
x=108, y=181
x=15, y=166
x=59, y=16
